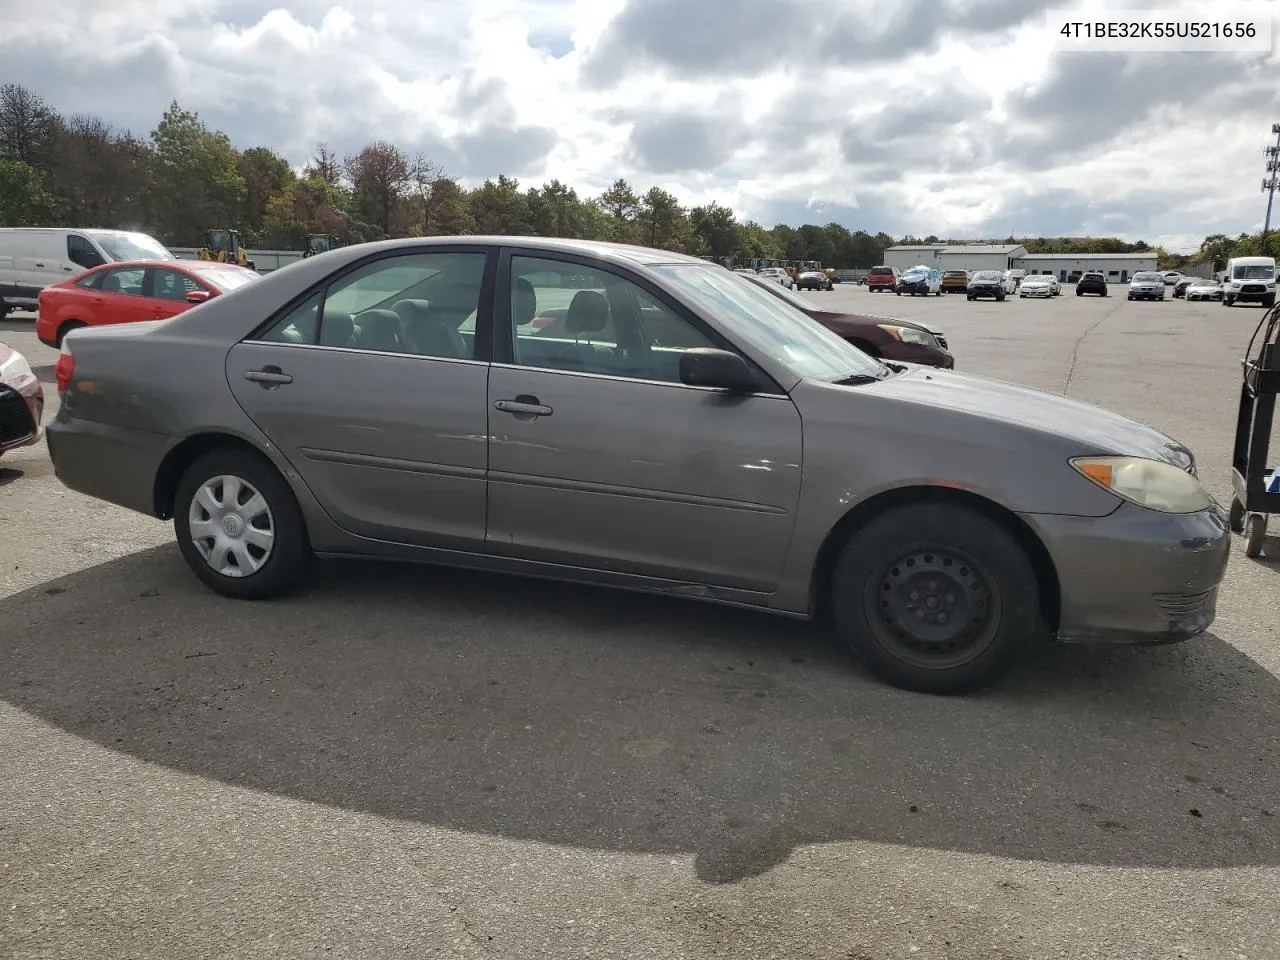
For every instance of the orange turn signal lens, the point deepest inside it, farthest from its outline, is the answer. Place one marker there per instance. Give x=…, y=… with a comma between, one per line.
x=1102, y=473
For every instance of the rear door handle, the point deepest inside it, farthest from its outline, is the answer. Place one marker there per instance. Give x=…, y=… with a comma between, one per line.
x=268, y=376
x=523, y=406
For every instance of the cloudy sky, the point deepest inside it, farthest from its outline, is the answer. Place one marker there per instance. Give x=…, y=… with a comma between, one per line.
x=953, y=117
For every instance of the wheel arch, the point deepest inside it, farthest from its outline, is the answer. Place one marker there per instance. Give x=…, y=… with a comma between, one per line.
x=1042, y=564
x=185, y=453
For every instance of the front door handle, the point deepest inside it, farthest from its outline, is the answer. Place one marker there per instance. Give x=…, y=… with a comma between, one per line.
x=523, y=405
x=268, y=377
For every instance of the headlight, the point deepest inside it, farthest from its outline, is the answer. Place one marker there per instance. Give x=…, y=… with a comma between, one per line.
x=15, y=368
x=909, y=334
x=1148, y=483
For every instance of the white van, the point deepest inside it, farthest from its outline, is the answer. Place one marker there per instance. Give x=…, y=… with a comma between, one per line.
x=1250, y=280
x=32, y=258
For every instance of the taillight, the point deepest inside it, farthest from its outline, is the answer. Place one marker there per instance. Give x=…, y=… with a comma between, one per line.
x=64, y=370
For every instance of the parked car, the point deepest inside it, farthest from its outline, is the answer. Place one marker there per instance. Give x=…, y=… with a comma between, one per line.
x=813, y=280
x=988, y=283
x=882, y=278
x=1146, y=285
x=1091, y=282
x=1039, y=285
x=947, y=522
x=21, y=401
x=1204, y=290
x=131, y=292
x=920, y=281
x=1180, y=288
x=1017, y=276
x=32, y=258
x=778, y=275
x=882, y=337
x=955, y=281
x=1171, y=277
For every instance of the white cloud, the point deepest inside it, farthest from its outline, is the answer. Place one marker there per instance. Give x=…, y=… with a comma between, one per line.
x=449, y=76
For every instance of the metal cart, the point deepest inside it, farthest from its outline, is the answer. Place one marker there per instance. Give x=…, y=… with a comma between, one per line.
x=1252, y=503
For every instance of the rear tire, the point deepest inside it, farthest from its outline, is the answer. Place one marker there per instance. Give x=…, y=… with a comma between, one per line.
x=935, y=598
x=250, y=547
x=1235, y=516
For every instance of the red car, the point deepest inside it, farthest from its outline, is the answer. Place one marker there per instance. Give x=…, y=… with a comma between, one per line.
x=132, y=291
x=21, y=401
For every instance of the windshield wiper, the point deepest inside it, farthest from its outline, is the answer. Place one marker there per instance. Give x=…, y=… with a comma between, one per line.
x=857, y=380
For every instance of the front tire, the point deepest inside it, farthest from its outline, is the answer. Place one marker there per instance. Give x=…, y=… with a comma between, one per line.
x=935, y=598
x=239, y=526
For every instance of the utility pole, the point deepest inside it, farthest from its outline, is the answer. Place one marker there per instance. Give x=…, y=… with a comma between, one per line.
x=1272, y=179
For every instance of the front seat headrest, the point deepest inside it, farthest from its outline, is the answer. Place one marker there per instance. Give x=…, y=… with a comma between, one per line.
x=588, y=313
x=409, y=309
x=524, y=301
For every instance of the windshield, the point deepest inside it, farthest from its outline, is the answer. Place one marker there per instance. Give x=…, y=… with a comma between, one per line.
x=1148, y=277
x=227, y=279
x=778, y=330
x=1258, y=272
x=988, y=275
x=131, y=246
x=782, y=293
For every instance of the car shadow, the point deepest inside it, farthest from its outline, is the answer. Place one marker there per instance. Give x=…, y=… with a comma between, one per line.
x=570, y=715
x=9, y=474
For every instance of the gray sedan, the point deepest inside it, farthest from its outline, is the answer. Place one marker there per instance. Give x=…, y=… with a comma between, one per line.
x=682, y=432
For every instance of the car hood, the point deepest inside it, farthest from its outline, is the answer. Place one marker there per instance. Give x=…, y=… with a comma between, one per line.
x=1096, y=431
x=862, y=320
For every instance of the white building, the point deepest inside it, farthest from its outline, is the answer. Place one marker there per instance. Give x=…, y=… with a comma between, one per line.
x=977, y=256
x=1116, y=267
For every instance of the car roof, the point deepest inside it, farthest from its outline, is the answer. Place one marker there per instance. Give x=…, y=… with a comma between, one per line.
x=596, y=248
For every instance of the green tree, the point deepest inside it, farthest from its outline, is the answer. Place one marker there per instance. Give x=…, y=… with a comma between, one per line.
x=662, y=220
x=24, y=202
x=717, y=227
x=265, y=175
x=197, y=182
x=499, y=207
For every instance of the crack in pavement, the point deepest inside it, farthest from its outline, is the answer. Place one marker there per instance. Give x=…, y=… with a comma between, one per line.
x=1075, y=347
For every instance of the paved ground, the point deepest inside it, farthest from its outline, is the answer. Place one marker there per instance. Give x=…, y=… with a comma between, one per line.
x=415, y=763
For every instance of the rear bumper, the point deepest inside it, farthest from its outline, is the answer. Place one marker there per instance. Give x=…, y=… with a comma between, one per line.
x=1136, y=576
x=107, y=462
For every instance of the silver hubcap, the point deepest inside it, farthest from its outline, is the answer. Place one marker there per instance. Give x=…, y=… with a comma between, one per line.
x=231, y=526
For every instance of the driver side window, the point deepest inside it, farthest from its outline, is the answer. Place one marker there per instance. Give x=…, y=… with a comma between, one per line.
x=582, y=319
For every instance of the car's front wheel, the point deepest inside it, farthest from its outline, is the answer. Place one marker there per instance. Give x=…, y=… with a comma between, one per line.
x=936, y=598
x=238, y=525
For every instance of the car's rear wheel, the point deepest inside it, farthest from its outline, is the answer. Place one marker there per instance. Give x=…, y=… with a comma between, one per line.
x=935, y=598
x=239, y=527
x=67, y=328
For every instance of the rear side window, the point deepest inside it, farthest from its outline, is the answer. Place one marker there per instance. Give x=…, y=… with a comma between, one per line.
x=91, y=281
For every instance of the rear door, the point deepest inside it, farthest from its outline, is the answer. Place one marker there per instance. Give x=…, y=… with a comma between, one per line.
x=121, y=297
x=374, y=387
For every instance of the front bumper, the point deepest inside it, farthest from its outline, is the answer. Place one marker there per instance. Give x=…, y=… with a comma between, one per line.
x=1045, y=292
x=21, y=413
x=1136, y=576
x=994, y=292
x=1251, y=295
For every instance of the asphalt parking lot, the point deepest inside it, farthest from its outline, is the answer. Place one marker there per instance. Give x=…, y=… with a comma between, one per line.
x=407, y=762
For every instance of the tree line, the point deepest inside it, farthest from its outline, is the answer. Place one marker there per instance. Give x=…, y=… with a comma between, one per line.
x=184, y=178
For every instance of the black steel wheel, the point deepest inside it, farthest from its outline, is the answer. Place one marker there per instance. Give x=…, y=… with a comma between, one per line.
x=936, y=598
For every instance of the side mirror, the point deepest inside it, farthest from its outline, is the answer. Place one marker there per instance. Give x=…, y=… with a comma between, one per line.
x=708, y=367
x=198, y=296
